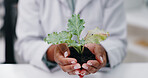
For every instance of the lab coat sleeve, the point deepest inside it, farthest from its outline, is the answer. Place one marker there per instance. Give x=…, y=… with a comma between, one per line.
x=115, y=24
x=30, y=46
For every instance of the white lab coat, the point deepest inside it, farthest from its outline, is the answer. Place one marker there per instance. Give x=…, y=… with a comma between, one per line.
x=37, y=18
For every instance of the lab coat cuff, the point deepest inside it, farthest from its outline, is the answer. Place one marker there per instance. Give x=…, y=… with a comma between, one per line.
x=49, y=64
x=37, y=59
x=111, y=57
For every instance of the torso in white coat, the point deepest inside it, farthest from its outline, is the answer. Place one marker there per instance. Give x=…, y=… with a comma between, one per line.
x=37, y=18
x=54, y=14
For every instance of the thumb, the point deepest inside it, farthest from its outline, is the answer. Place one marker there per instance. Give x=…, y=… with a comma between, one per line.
x=99, y=54
x=90, y=46
x=64, y=49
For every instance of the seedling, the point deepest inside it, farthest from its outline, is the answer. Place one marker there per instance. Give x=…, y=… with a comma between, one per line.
x=77, y=49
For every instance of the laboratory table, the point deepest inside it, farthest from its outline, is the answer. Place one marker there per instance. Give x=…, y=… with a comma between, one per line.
x=125, y=70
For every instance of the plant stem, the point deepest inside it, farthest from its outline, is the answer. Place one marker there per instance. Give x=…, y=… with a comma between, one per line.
x=78, y=39
x=79, y=47
x=76, y=48
x=82, y=49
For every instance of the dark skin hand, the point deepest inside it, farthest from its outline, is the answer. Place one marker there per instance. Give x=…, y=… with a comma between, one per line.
x=59, y=53
x=92, y=66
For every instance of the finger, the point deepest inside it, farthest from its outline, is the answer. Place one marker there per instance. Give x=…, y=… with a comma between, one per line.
x=60, y=59
x=65, y=61
x=94, y=63
x=84, y=72
x=104, y=59
x=74, y=72
x=90, y=46
x=99, y=52
x=69, y=68
x=64, y=49
x=90, y=69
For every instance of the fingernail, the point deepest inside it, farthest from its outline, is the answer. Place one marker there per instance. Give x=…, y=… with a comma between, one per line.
x=73, y=62
x=77, y=72
x=89, y=63
x=85, y=67
x=65, y=54
x=101, y=59
x=83, y=74
x=77, y=66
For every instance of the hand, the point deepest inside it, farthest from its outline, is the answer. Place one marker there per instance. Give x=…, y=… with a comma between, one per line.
x=92, y=66
x=59, y=53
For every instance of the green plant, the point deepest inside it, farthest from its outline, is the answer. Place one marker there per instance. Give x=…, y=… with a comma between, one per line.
x=75, y=27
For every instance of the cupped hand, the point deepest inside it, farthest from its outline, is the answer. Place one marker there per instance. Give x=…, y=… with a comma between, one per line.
x=92, y=66
x=60, y=56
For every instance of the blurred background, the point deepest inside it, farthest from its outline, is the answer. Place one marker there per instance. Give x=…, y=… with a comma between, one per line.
x=8, y=15
x=137, y=30
x=137, y=19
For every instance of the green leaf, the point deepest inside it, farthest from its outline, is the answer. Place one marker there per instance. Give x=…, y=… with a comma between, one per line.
x=58, y=38
x=96, y=36
x=76, y=25
x=82, y=42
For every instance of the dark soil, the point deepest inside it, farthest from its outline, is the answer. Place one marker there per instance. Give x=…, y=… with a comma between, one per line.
x=82, y=58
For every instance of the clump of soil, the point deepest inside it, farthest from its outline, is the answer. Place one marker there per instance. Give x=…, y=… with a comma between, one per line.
x=82, y=58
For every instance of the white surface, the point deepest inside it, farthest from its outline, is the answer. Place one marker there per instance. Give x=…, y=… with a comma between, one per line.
x=129, y=70
x=138, y=17
x=2, y=49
